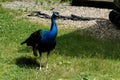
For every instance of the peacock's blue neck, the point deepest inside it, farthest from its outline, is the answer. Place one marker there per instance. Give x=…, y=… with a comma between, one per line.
x=53, y=29
x=49, y=37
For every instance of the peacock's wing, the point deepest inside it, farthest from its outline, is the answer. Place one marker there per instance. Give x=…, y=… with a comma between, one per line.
x=35, y=37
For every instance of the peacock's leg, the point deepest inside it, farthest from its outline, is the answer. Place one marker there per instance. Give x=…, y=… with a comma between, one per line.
x=48, y=53
x=35, y=50
x=40, y=61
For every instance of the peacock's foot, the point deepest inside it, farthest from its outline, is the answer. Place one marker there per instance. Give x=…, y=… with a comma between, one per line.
x=46, y=67
x=39, y=68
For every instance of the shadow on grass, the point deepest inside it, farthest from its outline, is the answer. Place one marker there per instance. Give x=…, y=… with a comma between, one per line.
x=27, y=62
x=81, y=44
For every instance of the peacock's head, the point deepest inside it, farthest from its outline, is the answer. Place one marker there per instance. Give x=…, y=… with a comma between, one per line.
x=55, y=14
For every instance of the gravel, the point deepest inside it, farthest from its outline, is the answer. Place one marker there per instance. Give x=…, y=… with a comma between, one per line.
x=101, y=27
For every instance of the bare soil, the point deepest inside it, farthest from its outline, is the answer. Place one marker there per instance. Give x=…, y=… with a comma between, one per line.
x=101, y=27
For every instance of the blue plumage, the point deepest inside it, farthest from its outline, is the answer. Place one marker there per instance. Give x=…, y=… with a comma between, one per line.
x=49, y=36
x=44, y=40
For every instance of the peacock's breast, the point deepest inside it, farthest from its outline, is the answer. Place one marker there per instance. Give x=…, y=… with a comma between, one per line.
x=49, y=38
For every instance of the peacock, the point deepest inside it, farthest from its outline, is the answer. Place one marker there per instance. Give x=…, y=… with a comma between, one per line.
x=44, y=40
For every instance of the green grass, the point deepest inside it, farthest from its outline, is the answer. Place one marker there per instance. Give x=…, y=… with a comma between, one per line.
x=78, y=56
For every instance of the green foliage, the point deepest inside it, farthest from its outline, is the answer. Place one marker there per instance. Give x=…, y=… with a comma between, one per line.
x=78, y=56
x=6, y=0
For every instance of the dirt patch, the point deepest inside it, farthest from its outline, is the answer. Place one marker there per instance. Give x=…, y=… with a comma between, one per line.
x=101, y=27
